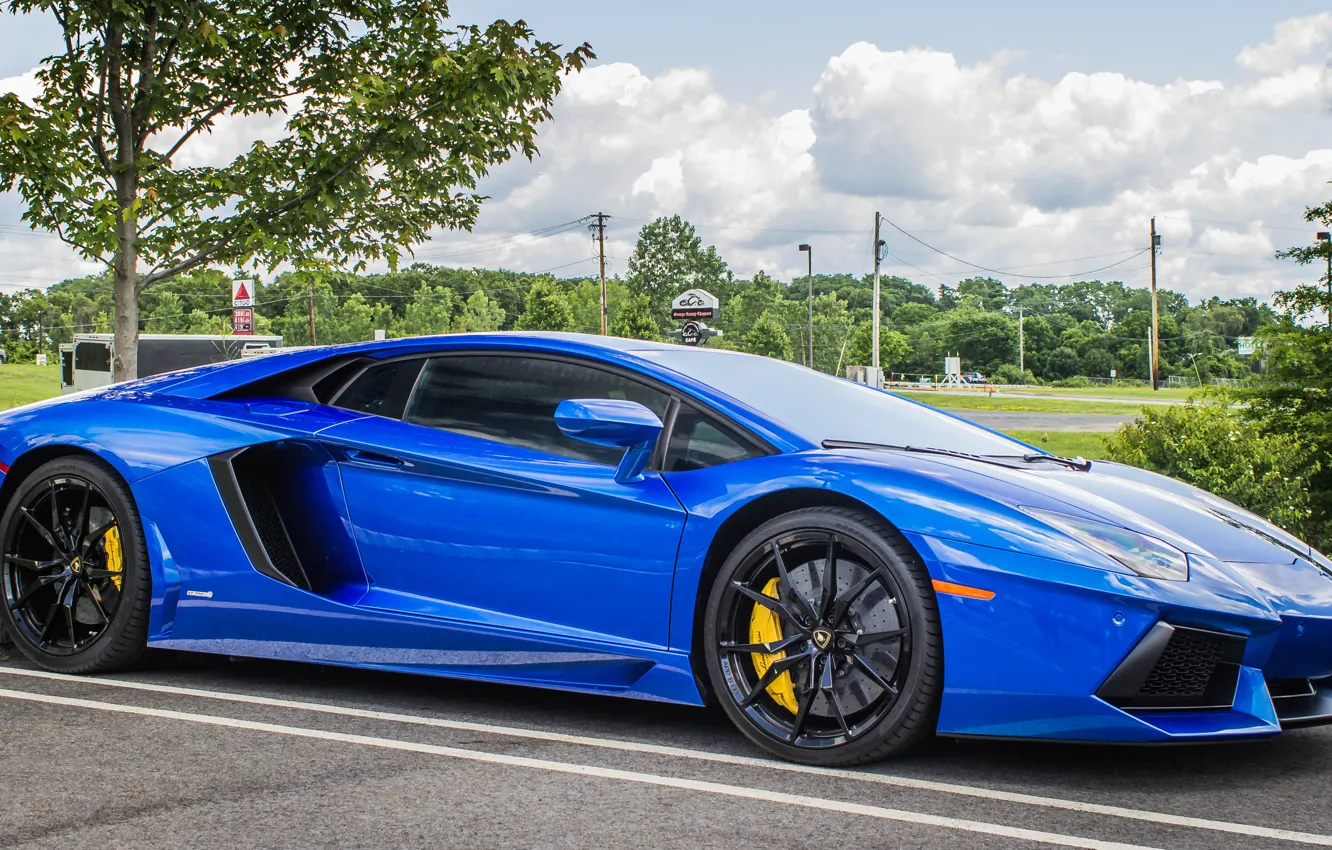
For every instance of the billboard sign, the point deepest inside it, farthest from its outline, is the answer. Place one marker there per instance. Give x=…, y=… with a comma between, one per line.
x=242, y=294
x=695, y=304
x=242, y=321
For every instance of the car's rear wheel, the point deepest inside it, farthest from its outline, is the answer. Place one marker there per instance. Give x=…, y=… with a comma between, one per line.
x=822, y=638
x=74, y=581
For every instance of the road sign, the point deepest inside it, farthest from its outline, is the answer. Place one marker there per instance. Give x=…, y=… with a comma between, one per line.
x=1244, y=346
x=691, y=333
x=242, y=321
x=241, y=294
x=695, y=304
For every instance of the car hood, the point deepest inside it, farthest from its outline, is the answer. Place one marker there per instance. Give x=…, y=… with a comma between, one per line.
x=1188, y=518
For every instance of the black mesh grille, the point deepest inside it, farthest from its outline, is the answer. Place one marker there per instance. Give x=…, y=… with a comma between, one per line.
x=1186, y=666
x=252, y=479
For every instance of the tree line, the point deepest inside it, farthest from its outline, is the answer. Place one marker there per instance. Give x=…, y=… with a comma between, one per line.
x=1084, y=328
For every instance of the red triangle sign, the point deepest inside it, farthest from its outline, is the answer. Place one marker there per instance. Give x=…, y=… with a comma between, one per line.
x=241, y=293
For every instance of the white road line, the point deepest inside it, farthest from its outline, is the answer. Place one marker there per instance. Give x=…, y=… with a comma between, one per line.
x=741, y=791
x=702, y=755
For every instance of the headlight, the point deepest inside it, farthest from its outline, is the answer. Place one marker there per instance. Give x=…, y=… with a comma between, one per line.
x=1146, y=556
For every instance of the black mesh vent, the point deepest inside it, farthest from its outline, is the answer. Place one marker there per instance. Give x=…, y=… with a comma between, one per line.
x=1186, y=666
x=252, y=479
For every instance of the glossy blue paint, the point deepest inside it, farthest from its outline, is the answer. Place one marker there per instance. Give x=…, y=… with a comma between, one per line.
x=448, y=554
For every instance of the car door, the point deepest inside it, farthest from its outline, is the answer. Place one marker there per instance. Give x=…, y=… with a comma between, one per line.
x=467, y=501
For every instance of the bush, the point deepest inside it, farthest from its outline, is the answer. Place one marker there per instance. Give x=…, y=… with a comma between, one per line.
x=1210, y=447
x=1076, y=381
x=1010, y=374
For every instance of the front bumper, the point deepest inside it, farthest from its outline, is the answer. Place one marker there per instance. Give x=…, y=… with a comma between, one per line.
x=1066, y=652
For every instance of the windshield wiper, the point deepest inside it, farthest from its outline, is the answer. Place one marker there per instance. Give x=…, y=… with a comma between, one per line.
x=1079, y=464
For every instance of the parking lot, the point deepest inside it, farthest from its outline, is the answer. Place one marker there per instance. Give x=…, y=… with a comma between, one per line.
x=207, y=752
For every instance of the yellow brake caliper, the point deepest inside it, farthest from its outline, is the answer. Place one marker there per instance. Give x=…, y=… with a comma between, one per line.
x=115, y=556
x=765, y=627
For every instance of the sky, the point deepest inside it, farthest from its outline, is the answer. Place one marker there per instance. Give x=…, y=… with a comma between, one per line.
x=1034, y=140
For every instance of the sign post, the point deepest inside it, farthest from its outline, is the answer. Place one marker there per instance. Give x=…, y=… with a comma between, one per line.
x=242, y=307
x=692, y=306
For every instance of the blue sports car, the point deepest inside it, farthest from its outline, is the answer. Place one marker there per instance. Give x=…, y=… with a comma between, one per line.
x=846, y=572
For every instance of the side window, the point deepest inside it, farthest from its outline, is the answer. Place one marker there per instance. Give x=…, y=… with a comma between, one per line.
x=513, y=399
x=698, y=441
x=382, y=389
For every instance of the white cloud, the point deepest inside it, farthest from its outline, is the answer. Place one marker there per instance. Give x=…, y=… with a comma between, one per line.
x=1008, y=170
x=24, y=85
x=1293, y=40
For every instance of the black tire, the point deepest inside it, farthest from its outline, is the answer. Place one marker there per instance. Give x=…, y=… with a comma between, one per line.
x=835, y=708
x=55, y=585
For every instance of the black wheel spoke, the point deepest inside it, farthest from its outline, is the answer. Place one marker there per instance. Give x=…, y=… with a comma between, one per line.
x=749, y=648
x=30, y=564
x=97, y=603
x=829, y=580
x=51, y=613
x=81, y=524
x=805, y=704
x=874, y=675
x=41, y=529
x=778, y=667
x=787, y=588
x=838, y=711
x=97, y=534
x=55, y=510
x=775, y=605
x=98, y=573
x=37, y=585
x=844, y=601
x=875, y=637
x=69, y=619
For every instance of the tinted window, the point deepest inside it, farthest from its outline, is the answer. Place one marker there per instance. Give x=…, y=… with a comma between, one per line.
x=382, y=389
x=698, y=441
x=513, y=399
x=821, y=407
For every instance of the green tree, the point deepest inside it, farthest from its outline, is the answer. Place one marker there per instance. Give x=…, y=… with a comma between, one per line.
x=1062, y=363
x=399, y=113
x=893, y=348
x=670, y=258
x=546, y=309
x=481, y=313
x=430, y=312
x=768, y=337
x=635, y=320
x=169, y=317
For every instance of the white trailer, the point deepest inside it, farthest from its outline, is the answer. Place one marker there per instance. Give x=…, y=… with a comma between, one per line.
x=86, y=362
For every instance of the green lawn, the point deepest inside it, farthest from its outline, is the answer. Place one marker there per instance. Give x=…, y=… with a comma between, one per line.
x=1174, y=394
x=1067, y=444
x=21, y=383
x=945, y=401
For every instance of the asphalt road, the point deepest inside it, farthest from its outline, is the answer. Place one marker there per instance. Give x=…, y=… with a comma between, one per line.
x=202, y=752
x=1011, y=420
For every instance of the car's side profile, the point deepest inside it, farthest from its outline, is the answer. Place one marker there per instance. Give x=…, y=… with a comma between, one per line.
x=844, y=571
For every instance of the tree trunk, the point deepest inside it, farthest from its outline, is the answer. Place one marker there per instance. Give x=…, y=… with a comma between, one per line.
x=125, y=365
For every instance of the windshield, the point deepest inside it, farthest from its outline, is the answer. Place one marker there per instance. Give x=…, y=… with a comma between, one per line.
x=820, y=407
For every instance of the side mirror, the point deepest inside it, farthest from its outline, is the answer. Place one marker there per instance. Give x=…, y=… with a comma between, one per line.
x=612, y=422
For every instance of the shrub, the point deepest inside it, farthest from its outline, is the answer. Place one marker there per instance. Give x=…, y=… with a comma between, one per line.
x=1010, y=374
x=1210, y=447
x=1075, y=381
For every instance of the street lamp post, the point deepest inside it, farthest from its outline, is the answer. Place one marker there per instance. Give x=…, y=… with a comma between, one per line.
x=1326, y=239
x=809, y=276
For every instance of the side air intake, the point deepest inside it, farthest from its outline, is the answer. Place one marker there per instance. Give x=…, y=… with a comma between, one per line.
x=243, y=481
x=1177, y=668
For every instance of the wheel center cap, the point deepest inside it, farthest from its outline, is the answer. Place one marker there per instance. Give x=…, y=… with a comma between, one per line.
x=822, y=638
x=75, y=565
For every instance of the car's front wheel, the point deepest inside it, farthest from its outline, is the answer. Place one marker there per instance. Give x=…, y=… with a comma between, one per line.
x=74, y=582
x=822, y=638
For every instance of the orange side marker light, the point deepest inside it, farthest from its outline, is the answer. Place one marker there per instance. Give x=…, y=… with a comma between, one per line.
x=962, y=590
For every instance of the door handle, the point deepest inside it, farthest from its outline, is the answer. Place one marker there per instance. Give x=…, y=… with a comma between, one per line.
x=373, y=459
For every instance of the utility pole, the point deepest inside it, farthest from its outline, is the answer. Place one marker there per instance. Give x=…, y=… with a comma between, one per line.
x=1022, y=366
x=874, y=341
x=809, y=276
x=600, y=228
x=1325, y=241
x=1155, y=353
x=309, y=300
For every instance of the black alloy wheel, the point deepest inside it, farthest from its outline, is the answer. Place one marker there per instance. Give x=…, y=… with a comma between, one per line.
x=74, y=578
x=823, y=640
